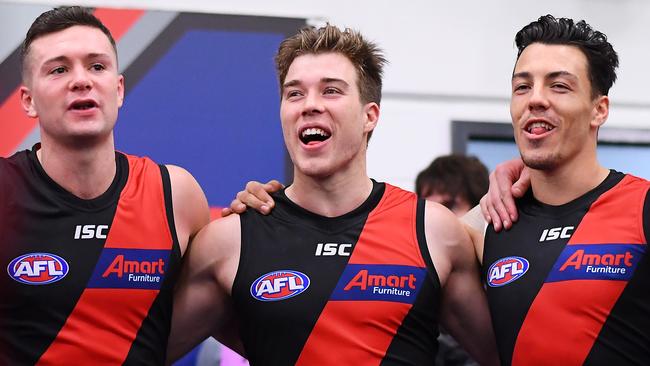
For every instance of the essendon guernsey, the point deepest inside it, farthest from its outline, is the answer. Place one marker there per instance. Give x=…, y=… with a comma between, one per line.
x=359, y=289
x=85, y=282
x=570, y=284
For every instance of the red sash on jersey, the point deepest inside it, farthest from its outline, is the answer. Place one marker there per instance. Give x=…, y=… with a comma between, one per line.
x=105, y=321
x=566, y=317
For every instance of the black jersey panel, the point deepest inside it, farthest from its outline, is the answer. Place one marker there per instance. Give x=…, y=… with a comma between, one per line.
x=34, y=251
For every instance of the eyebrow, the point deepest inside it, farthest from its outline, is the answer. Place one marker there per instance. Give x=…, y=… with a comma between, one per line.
x=66, y=58
x=291, y=83
x=551, y=75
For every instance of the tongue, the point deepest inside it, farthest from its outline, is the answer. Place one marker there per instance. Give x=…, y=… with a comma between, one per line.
x=538, y=131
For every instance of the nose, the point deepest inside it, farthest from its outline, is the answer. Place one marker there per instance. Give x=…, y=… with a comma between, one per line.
x=312, y=104
x=81, y=79
x=538, y=98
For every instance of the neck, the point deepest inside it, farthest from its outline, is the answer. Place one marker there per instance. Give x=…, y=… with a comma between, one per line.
x=331, y=196
x=86, y=172
x=568, y=182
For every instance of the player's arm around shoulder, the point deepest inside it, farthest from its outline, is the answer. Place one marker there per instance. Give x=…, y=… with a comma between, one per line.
x=464, y=311
x=190, y=206
x=202, y=305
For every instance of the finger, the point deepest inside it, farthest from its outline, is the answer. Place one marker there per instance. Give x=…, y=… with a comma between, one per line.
x=522, y=184
x=494, y=200
x=496, y=220
x=246, y=199
x=226, y=211
x=258, y=194
x=273, y=186
x=505, y=205
x=236, y=206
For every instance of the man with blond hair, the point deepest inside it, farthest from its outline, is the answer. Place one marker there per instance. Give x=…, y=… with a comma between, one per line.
x=345, y=270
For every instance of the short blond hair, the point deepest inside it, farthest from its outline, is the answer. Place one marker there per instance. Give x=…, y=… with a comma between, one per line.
x=366, y=57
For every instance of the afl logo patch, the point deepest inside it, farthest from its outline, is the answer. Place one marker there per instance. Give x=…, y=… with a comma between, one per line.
x=279, y=285
x=506, y=270
x=38, y=268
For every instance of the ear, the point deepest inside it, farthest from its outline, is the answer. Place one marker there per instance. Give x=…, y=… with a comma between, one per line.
x=27, y=102
x=600, y=111
x=371, y=112
x=120, y=90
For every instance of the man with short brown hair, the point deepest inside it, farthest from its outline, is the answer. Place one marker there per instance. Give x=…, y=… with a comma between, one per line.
x=345, y=270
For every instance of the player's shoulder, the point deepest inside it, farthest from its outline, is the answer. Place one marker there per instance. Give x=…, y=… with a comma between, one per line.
x=219, y=238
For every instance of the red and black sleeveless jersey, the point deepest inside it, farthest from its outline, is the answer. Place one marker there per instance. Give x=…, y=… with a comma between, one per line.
x=570, y=284
x=358, y=289
x=85, y=282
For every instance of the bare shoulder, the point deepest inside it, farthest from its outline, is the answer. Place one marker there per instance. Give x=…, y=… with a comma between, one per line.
x=443, y=227
x=215, y=250
x=448, y=241
x=475, y=224
x=190, y=206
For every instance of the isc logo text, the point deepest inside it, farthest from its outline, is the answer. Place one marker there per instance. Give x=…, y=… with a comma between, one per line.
x=332, y=249
x=556, y=233
x=90, y=231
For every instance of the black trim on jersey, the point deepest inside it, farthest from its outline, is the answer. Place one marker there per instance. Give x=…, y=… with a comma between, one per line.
x=530, y=205
x=169, y=208
x=145, y=349
x=646, y=218
x=412, y=339
x=297, y=214
x=422, y=242
x=87, y=205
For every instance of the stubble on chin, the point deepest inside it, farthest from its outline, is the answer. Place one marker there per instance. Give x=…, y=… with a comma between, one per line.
x=540, y=162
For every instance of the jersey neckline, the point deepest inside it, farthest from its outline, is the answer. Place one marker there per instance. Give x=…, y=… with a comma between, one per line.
x=104, y=200
x=530, y=205
x=285, y=209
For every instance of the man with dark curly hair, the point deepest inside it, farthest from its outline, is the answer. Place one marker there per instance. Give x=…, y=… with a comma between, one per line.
x=569, y=283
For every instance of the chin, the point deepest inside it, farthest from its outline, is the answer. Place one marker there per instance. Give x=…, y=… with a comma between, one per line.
x=548, y=162
x=314, y=170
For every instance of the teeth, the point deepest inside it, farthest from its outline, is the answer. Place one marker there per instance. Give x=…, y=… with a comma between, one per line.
x=539, y=124
x=314, y=131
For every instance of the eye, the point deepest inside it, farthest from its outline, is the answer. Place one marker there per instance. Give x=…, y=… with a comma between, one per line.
x=98, y=67
x=331, y=90
x=58, y=70
x=560, y=87
x=520, y=88
x=293, y=93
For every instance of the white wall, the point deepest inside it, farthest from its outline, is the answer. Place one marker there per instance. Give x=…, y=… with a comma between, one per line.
x=450, y=60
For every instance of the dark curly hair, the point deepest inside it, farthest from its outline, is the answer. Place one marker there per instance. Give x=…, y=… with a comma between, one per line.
x=602, y=60
x=455, y=175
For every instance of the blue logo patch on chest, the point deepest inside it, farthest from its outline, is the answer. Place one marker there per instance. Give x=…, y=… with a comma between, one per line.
x=614, y=262
x=279, y=285
x=130, y=268
x=506, y=270
x=378, y=282
x=38, y=268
